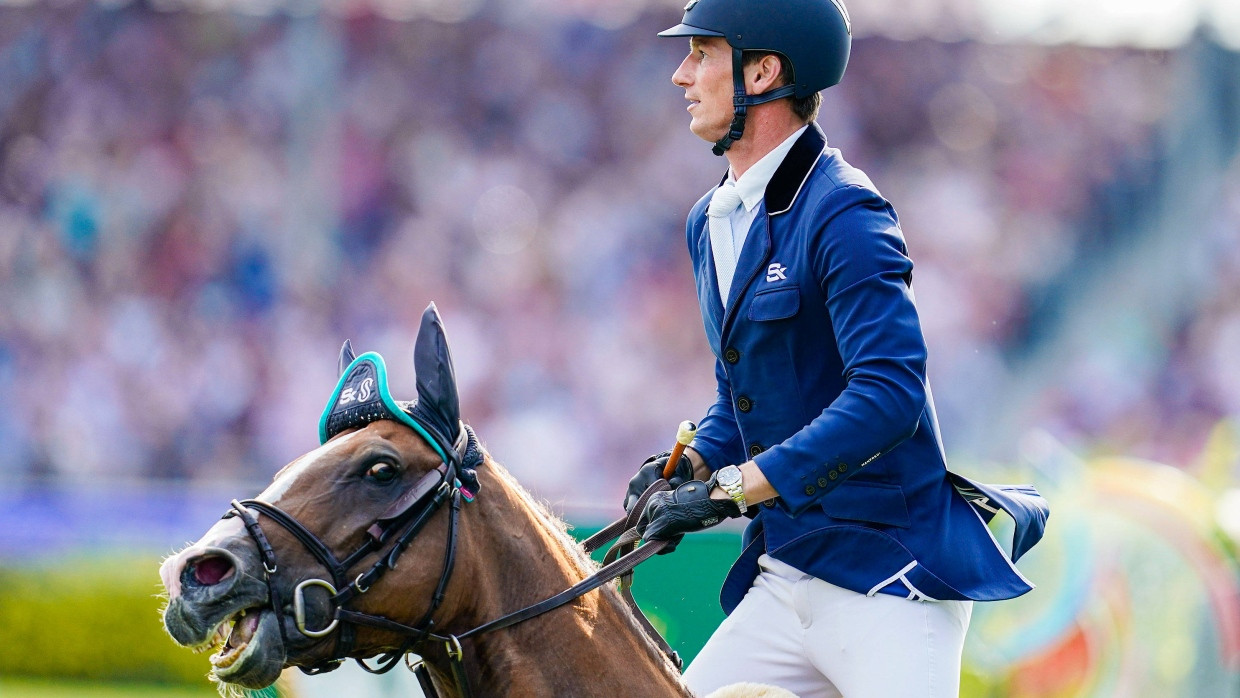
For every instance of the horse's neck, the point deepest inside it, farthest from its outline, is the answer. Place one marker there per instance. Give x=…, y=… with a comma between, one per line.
x=590, y=647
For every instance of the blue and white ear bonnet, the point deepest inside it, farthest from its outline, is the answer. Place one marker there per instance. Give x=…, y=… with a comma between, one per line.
x=362, y=396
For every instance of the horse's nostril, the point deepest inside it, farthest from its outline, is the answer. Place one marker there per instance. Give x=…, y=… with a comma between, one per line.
x=212, y=570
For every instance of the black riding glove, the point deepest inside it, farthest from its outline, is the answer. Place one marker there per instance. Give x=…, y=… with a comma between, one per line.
x=688, y=508
x=652, y=471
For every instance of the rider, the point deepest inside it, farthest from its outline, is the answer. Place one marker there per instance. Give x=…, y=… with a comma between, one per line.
x=865, y=554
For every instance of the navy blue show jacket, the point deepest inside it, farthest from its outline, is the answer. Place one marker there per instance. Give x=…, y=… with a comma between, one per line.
x=821, y=371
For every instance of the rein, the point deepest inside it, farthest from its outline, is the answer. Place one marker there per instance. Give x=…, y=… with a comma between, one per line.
x=401, y=523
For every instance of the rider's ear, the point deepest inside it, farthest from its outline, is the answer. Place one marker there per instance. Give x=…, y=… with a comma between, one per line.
x=438, y=404
x=346, y=356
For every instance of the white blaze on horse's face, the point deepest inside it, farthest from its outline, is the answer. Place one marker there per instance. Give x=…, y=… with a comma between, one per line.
x=230, y=528
x=294, y=471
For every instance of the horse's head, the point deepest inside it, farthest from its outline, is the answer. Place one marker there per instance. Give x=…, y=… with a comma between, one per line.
x=267, y=584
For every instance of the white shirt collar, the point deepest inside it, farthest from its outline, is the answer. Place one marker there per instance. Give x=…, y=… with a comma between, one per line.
x=752, y=185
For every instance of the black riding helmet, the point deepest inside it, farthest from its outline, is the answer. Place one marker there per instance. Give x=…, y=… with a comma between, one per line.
x=814, y=35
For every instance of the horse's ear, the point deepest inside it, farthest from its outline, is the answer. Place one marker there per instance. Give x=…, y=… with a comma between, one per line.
x=346, y=356
x=438, y=404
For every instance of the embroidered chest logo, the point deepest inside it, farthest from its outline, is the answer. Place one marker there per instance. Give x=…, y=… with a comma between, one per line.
x=775, y=272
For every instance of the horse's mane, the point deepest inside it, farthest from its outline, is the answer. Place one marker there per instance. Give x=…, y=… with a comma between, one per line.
x=553, y=524
x=575, y=554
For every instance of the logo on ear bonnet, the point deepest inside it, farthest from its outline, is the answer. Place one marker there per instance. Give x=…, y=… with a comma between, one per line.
x=361, y=397
x=362, y=394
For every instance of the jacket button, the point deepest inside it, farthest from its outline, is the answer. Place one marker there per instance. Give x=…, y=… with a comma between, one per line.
x=770, y=503
x=755, y=449
x=809, y=490
x=843, y=467
x=731, y=355
x=833, y=474
x=822, y=482
x=744, y=404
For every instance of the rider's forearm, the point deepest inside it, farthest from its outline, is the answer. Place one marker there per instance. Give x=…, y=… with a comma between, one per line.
x=757, y=488
x=700, y=470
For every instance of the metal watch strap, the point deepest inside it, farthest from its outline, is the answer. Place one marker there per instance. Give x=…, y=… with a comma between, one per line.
x=735, y=490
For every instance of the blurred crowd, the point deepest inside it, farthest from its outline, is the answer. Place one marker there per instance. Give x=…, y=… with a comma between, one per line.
x=197, y=208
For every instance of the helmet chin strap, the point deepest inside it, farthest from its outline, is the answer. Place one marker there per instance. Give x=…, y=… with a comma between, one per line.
x=742, y=101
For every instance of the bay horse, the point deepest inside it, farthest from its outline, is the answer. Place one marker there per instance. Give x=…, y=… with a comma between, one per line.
x=299, y=575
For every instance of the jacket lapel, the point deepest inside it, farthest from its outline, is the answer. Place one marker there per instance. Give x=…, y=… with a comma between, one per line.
x=708, y=290
x=780, y=194
x=754, y=253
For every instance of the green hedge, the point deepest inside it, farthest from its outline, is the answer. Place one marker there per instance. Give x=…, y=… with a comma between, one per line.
x=98, y=620
x=91, y=619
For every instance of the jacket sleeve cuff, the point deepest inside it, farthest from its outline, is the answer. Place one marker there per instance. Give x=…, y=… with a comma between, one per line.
x=800, y=486
x=717, y=455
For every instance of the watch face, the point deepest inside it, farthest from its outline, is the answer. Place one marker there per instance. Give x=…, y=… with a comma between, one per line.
x=731, y=475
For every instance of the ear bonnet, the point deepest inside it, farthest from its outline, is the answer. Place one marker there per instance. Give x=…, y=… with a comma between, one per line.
x=362, y=396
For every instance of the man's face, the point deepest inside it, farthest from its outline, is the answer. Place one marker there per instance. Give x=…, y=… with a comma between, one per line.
x=706, y=76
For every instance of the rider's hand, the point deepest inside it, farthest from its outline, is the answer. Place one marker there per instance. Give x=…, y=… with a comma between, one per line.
x=689, y=508
x=651, y=472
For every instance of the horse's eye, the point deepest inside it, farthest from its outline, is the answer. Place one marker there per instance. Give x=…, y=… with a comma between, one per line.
x=382, y=472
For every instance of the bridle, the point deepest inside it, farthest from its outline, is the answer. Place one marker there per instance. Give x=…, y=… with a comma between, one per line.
x=399, y=525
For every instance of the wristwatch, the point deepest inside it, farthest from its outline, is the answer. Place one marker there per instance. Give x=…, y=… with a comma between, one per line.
x=729, y=478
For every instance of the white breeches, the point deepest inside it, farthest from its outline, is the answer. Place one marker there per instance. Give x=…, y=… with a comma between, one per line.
x=821, y=641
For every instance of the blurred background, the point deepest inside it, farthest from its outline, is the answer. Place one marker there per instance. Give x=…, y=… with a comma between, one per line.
x=201, y=199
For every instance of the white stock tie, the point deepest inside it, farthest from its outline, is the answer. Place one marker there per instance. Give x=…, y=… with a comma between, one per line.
x=724, y=201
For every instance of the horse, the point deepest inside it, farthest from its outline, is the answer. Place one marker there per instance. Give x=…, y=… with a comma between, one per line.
x=270, y=585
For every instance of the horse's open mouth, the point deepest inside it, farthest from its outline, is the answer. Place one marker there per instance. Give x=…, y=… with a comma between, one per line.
x=248, y=648
x=232, y=637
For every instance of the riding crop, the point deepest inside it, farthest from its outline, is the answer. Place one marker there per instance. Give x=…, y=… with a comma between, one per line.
x=684, y=435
